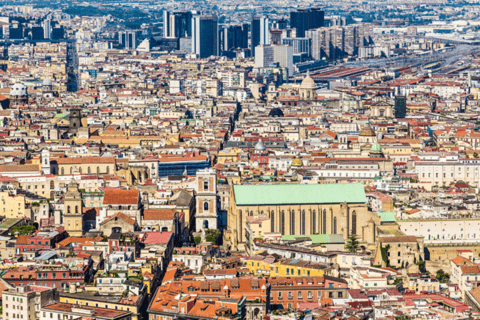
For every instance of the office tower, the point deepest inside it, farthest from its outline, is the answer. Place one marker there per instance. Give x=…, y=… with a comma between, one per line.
x=264, y=56
x=58, y=33
x=268, y=55
x=338, y=41
x=306, y=19
x=300, y=45
x=47, y=29
x=400, y=106
x=177, y=24
x=205, y=42
x=128, y=39
x=234, y=37
x=276, y=36
x=36, y=33
x=260, y=32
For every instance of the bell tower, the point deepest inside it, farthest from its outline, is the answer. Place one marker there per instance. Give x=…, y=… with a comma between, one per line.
x=206, y=213
x=73, y=210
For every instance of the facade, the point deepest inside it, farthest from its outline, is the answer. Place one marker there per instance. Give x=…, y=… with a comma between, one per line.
x=288, y=293
x=205, y=36
x=177, y=166
x=177, y=24
x=306, y=19
x=73, y=211
x=301, y=209
x=260, y=34
x=206, y=197
x=23, y=302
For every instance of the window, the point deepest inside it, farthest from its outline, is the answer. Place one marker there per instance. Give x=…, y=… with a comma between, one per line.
x=205, y=185
x=324, y=222
x=340, y=294
x=303, y=221
x=354, y=222
x=292, y=222
x=272, y=219
x=335, y=225
x=299, y=295
x=205, y=206
x=68, y=209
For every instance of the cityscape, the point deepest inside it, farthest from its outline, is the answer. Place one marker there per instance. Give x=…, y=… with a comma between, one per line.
x=196, y=160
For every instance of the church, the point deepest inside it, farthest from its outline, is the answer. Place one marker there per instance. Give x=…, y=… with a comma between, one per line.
x=301, y=209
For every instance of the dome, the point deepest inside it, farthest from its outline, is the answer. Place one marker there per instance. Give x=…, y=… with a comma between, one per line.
x=367, y=131
x=276, y=112
x=260, y=146
x=18, y=90
x=308, y=83
x=297, y=162
x=47, y=82
x=376, y=147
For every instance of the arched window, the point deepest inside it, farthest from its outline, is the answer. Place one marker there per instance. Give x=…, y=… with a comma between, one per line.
x=89, y=170
x=335, y=225
x=76, y=209
x=68, y=209
x=98, y=170
x=205, y=224
x=282, y=220
x=108, y=170
x=324, y=222
x=71, y=170
x=272, y=219
x=314, y=222
x=80, y=170
x=63, y=171
x=292, y=222
x=205, y=185
x=354, y=222
x=205, y=206
x=303, y=221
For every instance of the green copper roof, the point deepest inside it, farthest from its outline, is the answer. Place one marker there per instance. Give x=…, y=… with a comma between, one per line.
x=273, y=194
x=387, y=216
x=318, y=238
x=376, y=147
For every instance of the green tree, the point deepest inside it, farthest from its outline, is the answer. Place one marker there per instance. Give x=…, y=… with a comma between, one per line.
x=23, y=230
x=197, y=240
x=352, y=244
x=442, y=276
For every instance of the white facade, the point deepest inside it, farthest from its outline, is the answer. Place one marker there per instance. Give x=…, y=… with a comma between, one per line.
x=442, y=229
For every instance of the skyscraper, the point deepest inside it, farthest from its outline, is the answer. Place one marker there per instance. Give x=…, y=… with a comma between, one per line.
x=177, y=24
x=306, y=19
x=128, y=39
x=400, y=106
x=234, y=37
x=260, y=32
x=267, y=55
x=47, y=29
x=205, y=35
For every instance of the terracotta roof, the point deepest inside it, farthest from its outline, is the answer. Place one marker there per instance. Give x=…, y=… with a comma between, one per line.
x=121, y=197
x=119, y=216
x=398, y=239
x=159, y=214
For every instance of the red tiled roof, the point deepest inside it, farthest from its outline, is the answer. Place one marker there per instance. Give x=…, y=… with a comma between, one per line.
x=121, y=197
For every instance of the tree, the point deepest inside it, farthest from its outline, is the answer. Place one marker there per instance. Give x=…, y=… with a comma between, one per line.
x=352, y=244
x=23, y=230
x=442, y=276
x=197, y=240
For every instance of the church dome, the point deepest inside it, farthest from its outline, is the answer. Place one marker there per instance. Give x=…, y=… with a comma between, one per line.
x=276, y=112
x=367, y=131
x=18, y=90
x=260, y=146
x=376, y=147
x=297, y=162
x=47, y=82
x=308, y=83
